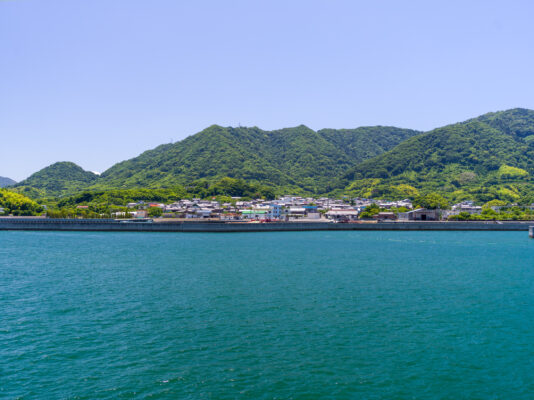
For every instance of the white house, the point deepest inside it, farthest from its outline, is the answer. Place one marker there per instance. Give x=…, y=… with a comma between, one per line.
x=466, y=206
x=344, y=214
x=297, y=211
x=254, y=214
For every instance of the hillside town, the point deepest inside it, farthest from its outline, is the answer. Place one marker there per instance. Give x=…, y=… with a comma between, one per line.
x=295, y=208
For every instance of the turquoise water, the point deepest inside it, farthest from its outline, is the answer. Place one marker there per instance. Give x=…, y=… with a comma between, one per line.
x=303, y=315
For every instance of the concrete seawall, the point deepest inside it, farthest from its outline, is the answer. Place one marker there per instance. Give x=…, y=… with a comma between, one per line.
x=43, y=224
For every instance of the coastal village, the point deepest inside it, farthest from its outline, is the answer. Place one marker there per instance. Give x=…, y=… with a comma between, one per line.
x=292, y=208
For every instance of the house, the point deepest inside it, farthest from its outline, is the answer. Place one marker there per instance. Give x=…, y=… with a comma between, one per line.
x=386, y=204
x=230, y=217
x=254, y=214
x=406, y=203
x=313, y=215
x=140, y=214
x=383, y=216
x=122, y=214
x=466, y=206
x=275, y=211
x=203, y=213
x=342, y=215
x=421, y=214
x=296, y=211
x=197, y=212
x=174, y=207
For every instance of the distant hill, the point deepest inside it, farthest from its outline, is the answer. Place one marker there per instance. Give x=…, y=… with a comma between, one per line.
x=488, y=157
x=6, y=182
x=56, y=179
x=484, y=158
x=296, y=158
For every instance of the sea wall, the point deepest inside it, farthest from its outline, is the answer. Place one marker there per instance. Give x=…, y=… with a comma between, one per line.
x=38, y=224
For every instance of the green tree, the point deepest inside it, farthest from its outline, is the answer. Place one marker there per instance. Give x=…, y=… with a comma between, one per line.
x=155, y=212
x=17, y=204
x=431, y=201
x=369, y=211
x=494, y=203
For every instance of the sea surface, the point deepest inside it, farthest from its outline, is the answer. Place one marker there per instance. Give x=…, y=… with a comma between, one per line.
x=276, y=315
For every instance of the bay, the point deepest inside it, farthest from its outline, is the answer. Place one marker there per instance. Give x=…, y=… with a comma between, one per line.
x=280, y=315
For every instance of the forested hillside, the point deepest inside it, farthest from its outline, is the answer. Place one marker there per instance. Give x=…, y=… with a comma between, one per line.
x=489, y=157
x=484, y=158
x=296, y=159
x=56, y=179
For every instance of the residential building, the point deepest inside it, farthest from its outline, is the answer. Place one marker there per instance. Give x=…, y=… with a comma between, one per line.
x=421, y=214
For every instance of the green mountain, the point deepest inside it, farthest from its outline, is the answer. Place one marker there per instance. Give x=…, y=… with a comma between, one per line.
x=485, y=158
x=4, y=182
x=59, y=178
x=295, y=159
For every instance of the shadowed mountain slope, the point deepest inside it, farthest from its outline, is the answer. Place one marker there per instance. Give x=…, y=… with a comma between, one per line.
x=6, y=182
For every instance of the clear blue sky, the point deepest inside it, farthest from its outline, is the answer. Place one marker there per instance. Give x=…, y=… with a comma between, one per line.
x=100, y=81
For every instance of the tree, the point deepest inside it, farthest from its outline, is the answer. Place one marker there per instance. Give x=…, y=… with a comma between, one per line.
x=17, y=204
x=431, y=201
x=494, y=203
x=369, y=211
x=155, y=212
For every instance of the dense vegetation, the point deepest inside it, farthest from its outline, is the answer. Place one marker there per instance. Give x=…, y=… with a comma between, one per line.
x=56, y=179
x=6, y=182
x=102, y=203
x=228, y=187
x=293, y=159
x=485, y=158
x=507, y=214
x=297, y=160
x=490, y=157
x=17, y=204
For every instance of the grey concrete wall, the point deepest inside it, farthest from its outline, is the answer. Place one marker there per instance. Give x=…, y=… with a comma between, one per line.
x=111, y=225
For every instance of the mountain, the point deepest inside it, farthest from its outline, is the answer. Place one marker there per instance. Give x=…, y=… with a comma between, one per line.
x=58, y=178
x=484, y=158
x=6, y=182
x=296, y=158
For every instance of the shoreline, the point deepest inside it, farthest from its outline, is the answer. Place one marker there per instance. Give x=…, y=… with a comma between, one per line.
x=109, y=225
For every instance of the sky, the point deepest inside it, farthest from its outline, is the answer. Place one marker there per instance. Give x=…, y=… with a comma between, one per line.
x=100, y=81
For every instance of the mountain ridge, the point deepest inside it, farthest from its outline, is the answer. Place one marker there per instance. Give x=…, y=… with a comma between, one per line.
x=5, y=182
x=57, y=178
x=489, y=156
x=297, y=159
